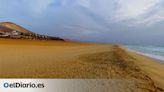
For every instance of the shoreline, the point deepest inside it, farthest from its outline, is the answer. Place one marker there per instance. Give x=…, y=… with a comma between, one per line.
x=152, y=67
x=145, y=55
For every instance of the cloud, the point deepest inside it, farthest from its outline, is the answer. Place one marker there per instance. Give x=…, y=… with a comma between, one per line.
x=133, y=12
x=129, y=9
x=103, y=9
x=152, y=19
x=154, y=16
x=140, y=12
x=39, y=6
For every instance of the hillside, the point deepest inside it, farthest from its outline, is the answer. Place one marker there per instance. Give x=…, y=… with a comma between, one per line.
x=14, y=31
x=13, y=26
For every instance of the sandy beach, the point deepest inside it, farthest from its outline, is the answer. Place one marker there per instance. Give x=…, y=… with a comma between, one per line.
x=73, y=60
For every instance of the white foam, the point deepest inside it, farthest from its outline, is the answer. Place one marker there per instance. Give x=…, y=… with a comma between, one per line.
x=157, y=57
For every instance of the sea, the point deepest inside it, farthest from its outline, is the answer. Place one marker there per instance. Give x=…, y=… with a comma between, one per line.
x=152, y=51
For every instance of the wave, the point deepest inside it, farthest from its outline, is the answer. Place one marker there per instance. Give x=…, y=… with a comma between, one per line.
x=152, y=52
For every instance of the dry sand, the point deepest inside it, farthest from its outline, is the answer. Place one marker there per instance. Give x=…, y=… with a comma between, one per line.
x=52, y=59
x=153, y=68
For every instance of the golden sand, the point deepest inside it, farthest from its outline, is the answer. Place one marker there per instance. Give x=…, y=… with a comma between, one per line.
x=154, y=69
x=53, y=59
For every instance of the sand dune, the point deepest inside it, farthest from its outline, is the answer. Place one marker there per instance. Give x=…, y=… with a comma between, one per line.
x=50, y=59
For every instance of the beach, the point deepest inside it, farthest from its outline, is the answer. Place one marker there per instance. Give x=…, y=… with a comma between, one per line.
x=75, y=60
x=153, y=68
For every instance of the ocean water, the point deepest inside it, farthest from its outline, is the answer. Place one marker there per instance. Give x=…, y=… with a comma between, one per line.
x=156, y=52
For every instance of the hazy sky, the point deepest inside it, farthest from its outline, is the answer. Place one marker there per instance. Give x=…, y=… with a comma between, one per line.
x=111, y=21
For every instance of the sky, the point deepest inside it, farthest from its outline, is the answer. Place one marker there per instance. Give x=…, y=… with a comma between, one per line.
x=103, y=21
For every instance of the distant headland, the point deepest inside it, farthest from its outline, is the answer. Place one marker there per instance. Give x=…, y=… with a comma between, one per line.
x=13, y=31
